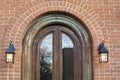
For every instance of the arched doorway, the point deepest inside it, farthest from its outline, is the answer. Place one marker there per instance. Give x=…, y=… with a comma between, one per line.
x=58, y=49
x=56, y=27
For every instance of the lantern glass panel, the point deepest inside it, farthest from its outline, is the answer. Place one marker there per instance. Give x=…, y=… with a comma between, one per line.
x=9, y=57
x=103, y=57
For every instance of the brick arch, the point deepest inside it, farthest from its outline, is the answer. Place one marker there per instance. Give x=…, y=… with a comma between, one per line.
x=20, y=23
x=83, y=12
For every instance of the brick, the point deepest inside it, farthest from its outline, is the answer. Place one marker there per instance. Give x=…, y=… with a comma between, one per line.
x=101, y=19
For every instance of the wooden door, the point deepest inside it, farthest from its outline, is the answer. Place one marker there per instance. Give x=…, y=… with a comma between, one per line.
x=58, y=54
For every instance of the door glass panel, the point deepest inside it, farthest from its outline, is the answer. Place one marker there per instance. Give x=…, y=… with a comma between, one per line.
x=66, y=42
x=68, y=58
x=46, y=58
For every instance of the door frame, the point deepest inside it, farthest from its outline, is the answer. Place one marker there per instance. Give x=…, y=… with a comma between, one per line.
x=59, y=19
x=57, y=31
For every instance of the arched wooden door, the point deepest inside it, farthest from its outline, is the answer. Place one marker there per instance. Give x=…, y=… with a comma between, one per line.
x=69, y=51
x=58, y=54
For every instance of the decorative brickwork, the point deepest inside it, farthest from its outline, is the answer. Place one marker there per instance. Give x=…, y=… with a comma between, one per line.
x=102, y=19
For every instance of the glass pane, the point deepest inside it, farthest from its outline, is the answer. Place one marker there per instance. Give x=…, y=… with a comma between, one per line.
x=46, y=58
x=9, y=57
x=68, y=58
x=66, y=42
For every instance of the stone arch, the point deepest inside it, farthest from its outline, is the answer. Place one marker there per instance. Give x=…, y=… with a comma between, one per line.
x=29, y=69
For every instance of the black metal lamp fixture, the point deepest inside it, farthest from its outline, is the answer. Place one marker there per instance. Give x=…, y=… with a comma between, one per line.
x=10, y=53
x=103, y=53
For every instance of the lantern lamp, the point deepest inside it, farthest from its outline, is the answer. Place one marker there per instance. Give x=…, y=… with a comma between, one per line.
x=103, y=53
x=10, y=53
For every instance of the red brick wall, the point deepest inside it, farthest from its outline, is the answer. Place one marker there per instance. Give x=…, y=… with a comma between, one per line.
x=102, y=18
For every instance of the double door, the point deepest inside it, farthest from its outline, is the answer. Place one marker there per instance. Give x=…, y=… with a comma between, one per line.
x=58, y=54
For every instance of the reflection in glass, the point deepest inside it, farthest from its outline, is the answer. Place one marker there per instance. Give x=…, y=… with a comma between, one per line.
x=46, y=58
x=66, y=42
x=68, y=58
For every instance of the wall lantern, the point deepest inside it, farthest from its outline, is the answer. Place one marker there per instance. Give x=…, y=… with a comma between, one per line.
x=10, y=53
x=103, y=53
